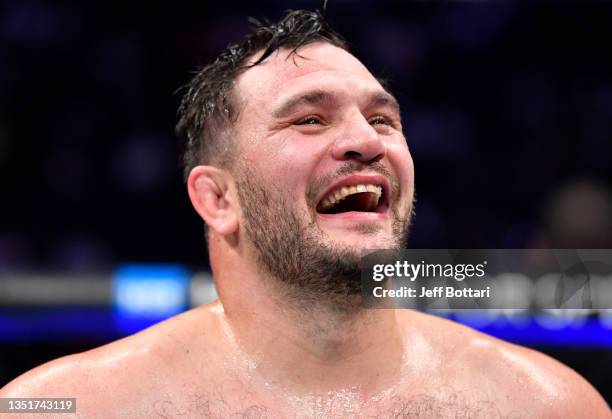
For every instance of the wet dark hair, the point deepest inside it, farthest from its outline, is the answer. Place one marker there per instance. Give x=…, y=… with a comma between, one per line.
x=207, y=109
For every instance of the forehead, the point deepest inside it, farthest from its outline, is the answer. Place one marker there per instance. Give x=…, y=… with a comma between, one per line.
x=316, y=65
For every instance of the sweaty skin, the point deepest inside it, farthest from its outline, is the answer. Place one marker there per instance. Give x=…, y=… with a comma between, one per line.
x=257, y=354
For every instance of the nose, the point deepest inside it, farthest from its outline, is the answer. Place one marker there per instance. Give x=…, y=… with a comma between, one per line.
x=358, y=140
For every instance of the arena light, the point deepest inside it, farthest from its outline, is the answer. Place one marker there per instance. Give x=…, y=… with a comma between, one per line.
x=145, y=294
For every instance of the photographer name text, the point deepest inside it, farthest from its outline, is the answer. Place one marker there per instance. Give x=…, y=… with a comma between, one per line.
x=435, y=292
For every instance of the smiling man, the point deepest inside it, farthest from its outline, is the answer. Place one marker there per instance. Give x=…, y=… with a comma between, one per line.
x=296, y=161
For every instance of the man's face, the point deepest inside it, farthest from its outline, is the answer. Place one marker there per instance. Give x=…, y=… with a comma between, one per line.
x=322, y=161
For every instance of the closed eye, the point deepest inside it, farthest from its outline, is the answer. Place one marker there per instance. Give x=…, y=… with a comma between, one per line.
x=379, y=120
x=309, y=120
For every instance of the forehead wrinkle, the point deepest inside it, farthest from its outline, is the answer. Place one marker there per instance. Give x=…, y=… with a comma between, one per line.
x=319, y=62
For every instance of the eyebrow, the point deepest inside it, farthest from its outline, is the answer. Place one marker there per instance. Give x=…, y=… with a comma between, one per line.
x=382, y=99
x=315, y=97
x=318, y=97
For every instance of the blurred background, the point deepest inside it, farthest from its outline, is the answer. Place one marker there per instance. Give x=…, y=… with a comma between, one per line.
x=507, y=108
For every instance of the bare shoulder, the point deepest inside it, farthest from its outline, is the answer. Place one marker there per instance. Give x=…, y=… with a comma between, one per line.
x=140, y=365
x=510, y=372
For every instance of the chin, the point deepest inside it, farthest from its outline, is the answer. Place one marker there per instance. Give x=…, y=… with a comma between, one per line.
x=363, y=238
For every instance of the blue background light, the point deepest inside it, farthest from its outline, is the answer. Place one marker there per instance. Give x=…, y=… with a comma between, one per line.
x=146, y=294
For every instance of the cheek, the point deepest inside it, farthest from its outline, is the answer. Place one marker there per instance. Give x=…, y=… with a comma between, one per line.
x=295, y=161
x=281, y=169
x=401, y=159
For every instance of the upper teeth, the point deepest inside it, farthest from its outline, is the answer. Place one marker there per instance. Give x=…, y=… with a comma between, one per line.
x=339, y=194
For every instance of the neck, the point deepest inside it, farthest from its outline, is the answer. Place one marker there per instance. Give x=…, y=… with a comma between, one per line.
x=315, y=347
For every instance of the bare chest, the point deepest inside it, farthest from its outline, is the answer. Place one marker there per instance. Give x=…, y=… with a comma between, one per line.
x=228, y=401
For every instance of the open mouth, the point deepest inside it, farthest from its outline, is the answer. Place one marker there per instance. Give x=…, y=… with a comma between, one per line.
x=362, y=197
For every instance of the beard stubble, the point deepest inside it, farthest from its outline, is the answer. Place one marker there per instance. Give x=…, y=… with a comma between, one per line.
x=297, y=262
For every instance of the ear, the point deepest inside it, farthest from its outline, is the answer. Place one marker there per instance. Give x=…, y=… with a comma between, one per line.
x=209, y=195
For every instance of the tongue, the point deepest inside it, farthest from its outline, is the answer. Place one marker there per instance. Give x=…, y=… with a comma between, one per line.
x=362, y=202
